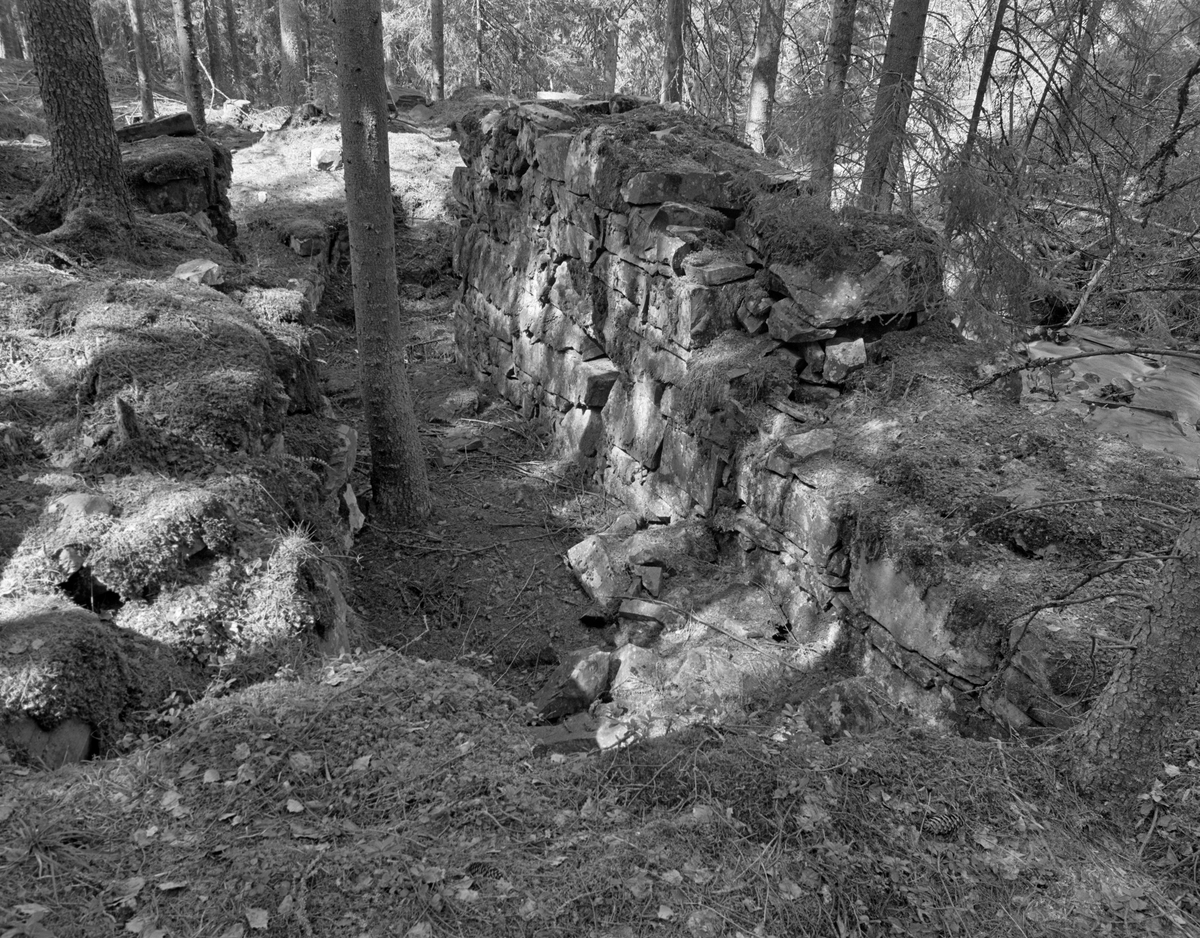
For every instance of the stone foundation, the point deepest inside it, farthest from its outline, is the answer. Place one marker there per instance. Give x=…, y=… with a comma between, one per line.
x=682, y=314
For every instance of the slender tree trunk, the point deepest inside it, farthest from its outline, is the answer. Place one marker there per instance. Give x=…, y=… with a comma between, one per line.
x=185, y=42
x=10, y=39
x=85, y=160
x=212, y=37
x=293, y=60
x=612, y=58
x=137, y=26
x=437, y=31
x=1069, y=96
x=479, y=31
x=1117, y=747
x=235, y=56
x=398, y=480
x=839, y=41
x=672, y=81
x=764, y=73
x=985, y=77
x=886, y=139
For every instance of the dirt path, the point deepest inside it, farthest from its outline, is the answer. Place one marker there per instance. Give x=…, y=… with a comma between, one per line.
x=483, y=582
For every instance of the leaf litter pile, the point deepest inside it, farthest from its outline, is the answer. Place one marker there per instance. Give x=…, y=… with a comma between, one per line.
x=378, y=794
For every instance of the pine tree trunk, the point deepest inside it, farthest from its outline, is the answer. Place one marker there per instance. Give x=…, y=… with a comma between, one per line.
x=764, y=73
x=612, y=58
x=10, y=39
x=672, y=81
x=886, y=138
x=212, y=37
x=231, y=36
x=137, y=26
x=85, y=160
x=839, y=42
x=479, y=31
x=985, y=77
x=185, y=42
x=1068, y=98
x=437, y=31
x=292, y=59
x=1117, y=748
x=398, y=480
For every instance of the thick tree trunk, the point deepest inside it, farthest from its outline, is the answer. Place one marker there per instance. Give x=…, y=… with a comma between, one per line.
x=764, y=73
x=612, y=58
x=885, y=142
x=212, y=38
x=293, y=58
x=137, y=26
x=398, y=480
x=1117, y=748
x=185, y=42
x=839, y=42
x=10, y=39
x=85, y=160
x=672, y=81
x=437, y=48
x=231, y=36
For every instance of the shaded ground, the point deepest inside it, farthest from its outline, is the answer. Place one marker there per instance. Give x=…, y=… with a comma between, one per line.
x=379, y=794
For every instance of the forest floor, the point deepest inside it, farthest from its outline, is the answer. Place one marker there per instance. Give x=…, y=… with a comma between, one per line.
x=396, y=790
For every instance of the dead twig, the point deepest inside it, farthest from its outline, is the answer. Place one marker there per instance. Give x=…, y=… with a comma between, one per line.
x=25, y=236
x=1036, y=363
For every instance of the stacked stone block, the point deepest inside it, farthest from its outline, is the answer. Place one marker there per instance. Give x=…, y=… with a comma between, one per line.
x=601, y=252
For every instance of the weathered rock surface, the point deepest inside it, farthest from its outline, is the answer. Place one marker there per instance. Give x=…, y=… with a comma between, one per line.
x=182, y=174
x=693, y=329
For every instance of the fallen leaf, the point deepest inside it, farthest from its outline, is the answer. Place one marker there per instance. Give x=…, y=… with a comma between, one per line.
x=789, y=889
x=139, y=923
x=294, y=806
x=241, y=752
x=301, y=762
x=129, y=888
x=211, y=776
x=173, y=885
x=236, y=930
x=360, y=764
x=420, y=930
x=666, y=913
x=258, y=918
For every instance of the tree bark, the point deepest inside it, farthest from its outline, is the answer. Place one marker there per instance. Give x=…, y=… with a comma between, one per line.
x=212, y=38
x=612, y=58
x=185, y=42
x=137, y=26
x=839, y=42
x=1068, y=98
x=985, y=77
x=672, y=81
x=85, y=160
x=885, y=141
x=1117, y=747
x=293, y=57
x=231, y=36
x=479, y=31
x=437, y=46
x=398, y=479
x=10, y=39
x=763, y=73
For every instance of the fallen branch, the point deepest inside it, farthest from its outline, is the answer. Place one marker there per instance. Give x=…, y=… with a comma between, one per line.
x=25, y=236
x=1046, y=362
x=1080, y=501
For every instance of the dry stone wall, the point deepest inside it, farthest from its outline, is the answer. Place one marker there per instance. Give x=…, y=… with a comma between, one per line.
x=681, y=314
